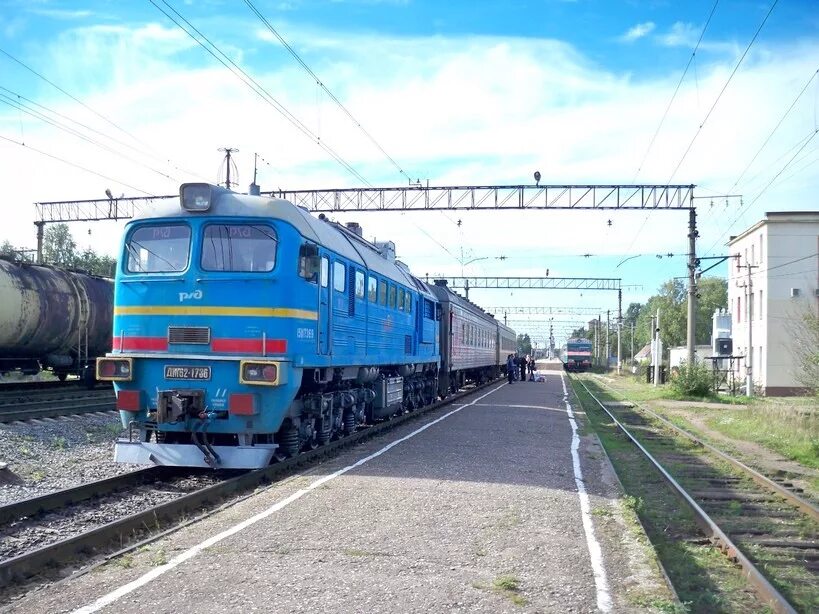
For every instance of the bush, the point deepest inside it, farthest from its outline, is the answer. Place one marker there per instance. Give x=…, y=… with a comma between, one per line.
x=693, y=381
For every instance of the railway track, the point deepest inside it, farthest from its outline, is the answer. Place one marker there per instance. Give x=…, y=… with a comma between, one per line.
x=50, y=403
x=765, y=527
x=31, y=524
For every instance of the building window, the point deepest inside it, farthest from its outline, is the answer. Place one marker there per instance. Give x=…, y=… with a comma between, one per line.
x=760, y=304
x=760, y=249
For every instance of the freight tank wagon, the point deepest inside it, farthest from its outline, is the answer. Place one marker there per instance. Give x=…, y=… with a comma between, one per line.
x=53, y=319
x=246, y=330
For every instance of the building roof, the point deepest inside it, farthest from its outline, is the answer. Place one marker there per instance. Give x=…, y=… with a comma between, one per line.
x=774, y=217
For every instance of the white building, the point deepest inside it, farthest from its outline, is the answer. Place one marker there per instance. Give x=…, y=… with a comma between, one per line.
x=772, y=284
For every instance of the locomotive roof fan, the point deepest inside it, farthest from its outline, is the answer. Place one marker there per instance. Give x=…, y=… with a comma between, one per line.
x=196, y=197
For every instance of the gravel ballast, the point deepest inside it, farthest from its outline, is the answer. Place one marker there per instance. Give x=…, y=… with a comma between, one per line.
x=52, y=454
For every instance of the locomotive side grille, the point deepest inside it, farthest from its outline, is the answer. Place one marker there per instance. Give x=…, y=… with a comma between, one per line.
x=407, y=344
x=189, y=334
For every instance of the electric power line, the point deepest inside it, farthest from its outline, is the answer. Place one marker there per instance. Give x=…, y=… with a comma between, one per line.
x=779, y=123
x=323, y=87
x=150, y=152
x=61, y=126
x=676, y=90
x=758, y=196
x=82, y=168
x=256, y=87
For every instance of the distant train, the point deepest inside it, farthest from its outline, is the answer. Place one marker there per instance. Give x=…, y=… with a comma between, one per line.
x=247, y=330
x=577, y=354
x=53, y=319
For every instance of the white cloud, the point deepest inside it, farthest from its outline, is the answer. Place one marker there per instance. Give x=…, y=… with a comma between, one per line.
x=63, y=14
x=467, y=110
x=637, y=32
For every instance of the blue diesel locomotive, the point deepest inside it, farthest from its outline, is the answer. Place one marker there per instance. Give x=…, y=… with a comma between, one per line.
x=246, y=330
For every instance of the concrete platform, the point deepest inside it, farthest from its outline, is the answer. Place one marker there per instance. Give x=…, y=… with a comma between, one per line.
x=475, y=510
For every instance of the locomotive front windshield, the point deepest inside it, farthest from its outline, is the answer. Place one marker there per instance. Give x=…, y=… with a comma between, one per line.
x=159, y=249
x=238, y=248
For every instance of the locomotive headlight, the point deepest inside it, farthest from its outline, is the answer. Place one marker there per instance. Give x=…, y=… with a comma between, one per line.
x=115, y=369
x=195, y=197
x=262, y=373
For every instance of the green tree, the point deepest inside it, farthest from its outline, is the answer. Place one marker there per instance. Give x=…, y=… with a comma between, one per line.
x=59, y=247
x=95, y=263
x=7, y=249
x=632, y=313
x=524, y=344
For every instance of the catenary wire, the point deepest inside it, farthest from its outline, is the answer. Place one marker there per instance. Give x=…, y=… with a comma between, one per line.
x=722, y=91
x=60, y=126
x=256, y=87
x=149, y=151
x=320, y=83
x=676, y=90
x=765, y=189
x=779, y=123
x=665, y=114
x=77, y=166
x=713, y=106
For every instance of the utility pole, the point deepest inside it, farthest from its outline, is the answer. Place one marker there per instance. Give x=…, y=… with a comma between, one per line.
x=619, y=325
x=692, y=281
x=597, y=339
x=608, y=329
x=632, y=343
x=39, y=226
x=658, y=352
x=228, y=151
x=749, y=311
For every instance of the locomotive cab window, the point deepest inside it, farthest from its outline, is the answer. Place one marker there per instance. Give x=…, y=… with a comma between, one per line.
x=247, y=248
x=392, y=296
x=158, y=249
x=408, y=302
x=401, y=295
x=309, y=262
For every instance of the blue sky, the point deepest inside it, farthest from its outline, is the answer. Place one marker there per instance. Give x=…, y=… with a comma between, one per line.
x=455, y=92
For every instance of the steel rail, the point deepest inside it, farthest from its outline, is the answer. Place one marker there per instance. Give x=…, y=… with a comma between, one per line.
x=806, y=506
x=764, y=588
x=55, y=412
x=56, y=555
x=62, y=498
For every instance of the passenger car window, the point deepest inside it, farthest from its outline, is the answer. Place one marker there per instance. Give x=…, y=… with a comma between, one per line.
x=158, y=249
x=359, y=284
x=372, y=289
x=339, y=276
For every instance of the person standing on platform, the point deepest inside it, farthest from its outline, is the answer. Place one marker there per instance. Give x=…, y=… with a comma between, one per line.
x=532, y=369
x=523, y=361
x=510, y=368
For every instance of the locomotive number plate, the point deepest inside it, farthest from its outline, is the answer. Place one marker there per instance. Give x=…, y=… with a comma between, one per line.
x=182, y=372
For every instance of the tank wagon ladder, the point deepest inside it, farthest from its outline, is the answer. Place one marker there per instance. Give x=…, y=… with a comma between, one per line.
x=82, y=324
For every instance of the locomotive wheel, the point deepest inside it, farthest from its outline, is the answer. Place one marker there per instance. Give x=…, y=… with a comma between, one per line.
x=61, y=375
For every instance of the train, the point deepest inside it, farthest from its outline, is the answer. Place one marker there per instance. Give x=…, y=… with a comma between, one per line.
x=577, y=355
x=246, y=330
x=53, y=319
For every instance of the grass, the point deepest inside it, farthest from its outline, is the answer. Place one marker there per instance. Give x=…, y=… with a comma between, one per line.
x=59, y=443
x=787, y=430
x=704, y=579
x=509, y=587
